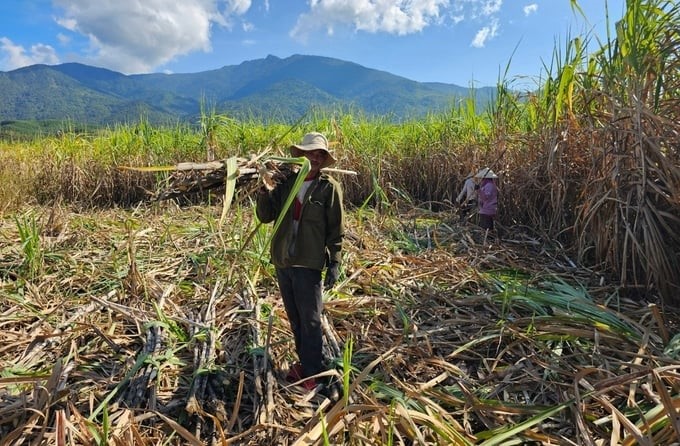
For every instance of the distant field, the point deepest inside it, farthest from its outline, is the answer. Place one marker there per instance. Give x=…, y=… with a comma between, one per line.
x=22, y=130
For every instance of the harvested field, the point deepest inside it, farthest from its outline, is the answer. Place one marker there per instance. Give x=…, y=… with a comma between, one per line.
x=129, y=322
x=156, y=325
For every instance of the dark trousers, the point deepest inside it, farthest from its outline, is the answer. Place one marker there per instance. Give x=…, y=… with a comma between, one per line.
x=301, y=292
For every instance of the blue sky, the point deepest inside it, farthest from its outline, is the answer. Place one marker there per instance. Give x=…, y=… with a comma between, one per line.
x=463, y=42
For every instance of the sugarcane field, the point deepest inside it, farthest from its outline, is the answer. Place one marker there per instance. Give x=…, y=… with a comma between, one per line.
x=139, y=305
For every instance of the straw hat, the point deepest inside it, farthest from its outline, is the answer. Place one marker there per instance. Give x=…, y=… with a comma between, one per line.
x=486, y=173
x=313, y=141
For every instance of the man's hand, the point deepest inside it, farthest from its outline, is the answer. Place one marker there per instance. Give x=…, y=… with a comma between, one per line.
x=332, y=272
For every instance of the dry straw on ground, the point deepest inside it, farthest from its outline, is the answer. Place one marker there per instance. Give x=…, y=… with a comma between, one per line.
x=155, y=326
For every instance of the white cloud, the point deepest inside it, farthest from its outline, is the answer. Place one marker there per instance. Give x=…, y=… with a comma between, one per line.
x=67, y=23
x=486, y=33
x=135, y=36
x=238, y=7
x=478, y=9
x=15, y=56
x=486, y=11
x=398, y=17
x=63, y=38
x=491, y=7
x=530, y=9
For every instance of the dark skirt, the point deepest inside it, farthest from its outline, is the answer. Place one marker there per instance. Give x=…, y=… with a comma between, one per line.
x=486, y=221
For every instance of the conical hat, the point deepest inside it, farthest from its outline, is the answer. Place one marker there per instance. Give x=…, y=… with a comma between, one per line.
x=486, y=173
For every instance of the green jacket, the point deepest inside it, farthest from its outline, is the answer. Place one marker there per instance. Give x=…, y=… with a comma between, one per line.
x=321, y=228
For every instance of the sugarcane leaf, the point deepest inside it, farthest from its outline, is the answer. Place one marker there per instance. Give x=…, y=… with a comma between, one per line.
x=230, y=180
x=305, y=167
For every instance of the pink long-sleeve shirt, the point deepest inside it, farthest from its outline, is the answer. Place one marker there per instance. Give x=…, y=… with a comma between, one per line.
x=488, y=197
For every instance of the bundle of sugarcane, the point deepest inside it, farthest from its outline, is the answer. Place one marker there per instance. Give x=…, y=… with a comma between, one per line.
x=250, y=173
x=189, y=178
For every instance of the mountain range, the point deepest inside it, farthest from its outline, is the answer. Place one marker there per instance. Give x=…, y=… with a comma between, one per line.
x=268, y=89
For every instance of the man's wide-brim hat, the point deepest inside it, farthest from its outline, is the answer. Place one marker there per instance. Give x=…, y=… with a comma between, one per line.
x=313, y=141
x=486, y=173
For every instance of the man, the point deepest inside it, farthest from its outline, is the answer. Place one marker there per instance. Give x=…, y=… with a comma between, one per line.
x=308, y=240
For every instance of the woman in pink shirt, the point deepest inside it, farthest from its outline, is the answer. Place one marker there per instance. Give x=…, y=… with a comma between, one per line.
x=487, y=197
